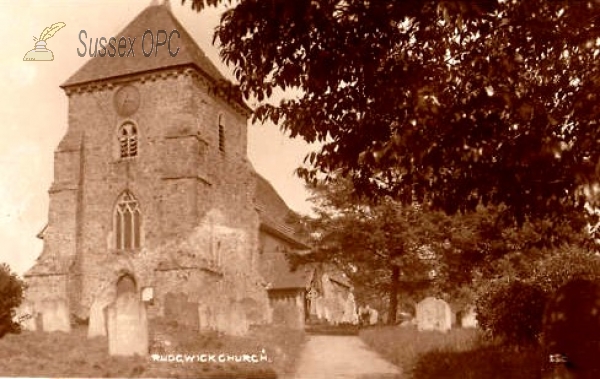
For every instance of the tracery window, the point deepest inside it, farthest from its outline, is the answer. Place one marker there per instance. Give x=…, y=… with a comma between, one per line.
x=128, y=140
x=127, y=222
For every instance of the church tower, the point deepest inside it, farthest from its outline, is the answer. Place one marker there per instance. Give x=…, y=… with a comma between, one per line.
x=152, y=186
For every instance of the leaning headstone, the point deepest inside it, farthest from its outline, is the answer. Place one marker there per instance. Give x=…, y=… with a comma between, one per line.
x=433, y=314
x=571, y=331
x=97, y=321
x=55, y=316
x=127, y=326
x=468, y=317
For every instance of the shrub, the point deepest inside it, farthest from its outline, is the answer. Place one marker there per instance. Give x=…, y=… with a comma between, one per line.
x=457, y=354
x=403, y=346
x=485, y=361
x=512, y=311
x=563, y=265
x=11, y=295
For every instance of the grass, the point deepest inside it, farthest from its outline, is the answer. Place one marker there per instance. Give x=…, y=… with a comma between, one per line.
x=57, y=354
x=460, y=353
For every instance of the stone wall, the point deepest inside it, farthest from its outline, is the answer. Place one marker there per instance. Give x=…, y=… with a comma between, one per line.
x=271, y=256
x=199, y=227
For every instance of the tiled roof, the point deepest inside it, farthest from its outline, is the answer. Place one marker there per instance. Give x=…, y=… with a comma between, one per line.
x=286, y=279
x=340, y=279
x=154, y=18
x=302, y=277
x=273, y=213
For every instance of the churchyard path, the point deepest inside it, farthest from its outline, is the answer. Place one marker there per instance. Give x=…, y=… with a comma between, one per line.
x=342, y=357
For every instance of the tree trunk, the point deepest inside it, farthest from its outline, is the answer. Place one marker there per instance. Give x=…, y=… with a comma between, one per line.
x=394, y=289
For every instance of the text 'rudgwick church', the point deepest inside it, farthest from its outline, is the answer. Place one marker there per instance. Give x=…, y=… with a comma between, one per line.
x=154, y=196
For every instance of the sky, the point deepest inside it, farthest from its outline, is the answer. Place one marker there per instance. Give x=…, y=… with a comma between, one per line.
x=34, y=110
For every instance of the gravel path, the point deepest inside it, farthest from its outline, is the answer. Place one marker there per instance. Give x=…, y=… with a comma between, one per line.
x=329, y=357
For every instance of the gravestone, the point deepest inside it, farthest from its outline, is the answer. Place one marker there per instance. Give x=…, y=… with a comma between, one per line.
x=25, y=316
x=98, y=317
x=189, y=316
x=327, y=312
x=205, y=318
x=238, y=323
x=55, y=315
x=320, y=308
x=373, y=316
x=252, y=310
x=336, y=304
x=178, y=308
x=571, y=331
x=127, y=321
x=312, y=297
x=433, y=314
x=221, y=318
x=350, y=315
x=127, y=326
x=174, y=305
x=98, y=312
x=468, y=317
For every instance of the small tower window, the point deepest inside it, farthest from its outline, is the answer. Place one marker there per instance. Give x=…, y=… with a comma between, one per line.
x=221, y=134
x=127, y=222
x=128, y=140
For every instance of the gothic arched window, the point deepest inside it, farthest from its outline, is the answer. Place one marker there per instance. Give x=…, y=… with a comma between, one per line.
x=128, y=140
x=127, y=222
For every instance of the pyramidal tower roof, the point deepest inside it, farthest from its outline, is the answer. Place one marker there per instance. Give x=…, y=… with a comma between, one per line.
x=153, y=18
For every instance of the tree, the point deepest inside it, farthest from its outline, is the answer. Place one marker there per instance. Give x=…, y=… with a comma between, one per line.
x=385, y=247
x=459, y=103
x=11, y=295
x=389, y=249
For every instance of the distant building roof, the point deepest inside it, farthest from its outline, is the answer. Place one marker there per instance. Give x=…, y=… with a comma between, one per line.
x=303, y=276
x=340, y=279
x=285, y=279
x=274, y=212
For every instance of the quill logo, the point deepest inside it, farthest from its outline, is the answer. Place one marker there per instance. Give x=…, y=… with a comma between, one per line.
x=40, y=53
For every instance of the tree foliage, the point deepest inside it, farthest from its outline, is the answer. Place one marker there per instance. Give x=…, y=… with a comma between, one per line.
x=390, y=250
x=510, y=304
x=512, y=312
x=457, y=102
x=11, y=295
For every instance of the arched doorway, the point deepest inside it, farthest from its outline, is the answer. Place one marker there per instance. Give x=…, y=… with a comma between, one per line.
x=126, y=285
x=127, y=322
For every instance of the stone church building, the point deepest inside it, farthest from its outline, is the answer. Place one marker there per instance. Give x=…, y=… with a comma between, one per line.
x=153, y=192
